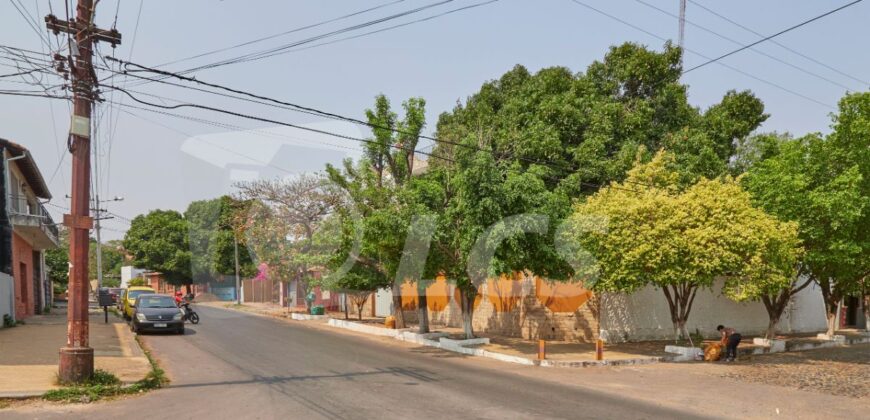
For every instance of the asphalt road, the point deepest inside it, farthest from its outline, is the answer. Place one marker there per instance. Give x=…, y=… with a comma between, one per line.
x=236, y=365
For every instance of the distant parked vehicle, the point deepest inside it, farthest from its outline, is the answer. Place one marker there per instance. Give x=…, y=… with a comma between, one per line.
x=115, y=293
x=153, y=312
x=130, y=299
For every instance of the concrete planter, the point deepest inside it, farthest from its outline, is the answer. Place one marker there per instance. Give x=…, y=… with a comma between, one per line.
x=685, y=354
x=306, y=317
x=463, y=343
x=773, y=346
x=367, y=329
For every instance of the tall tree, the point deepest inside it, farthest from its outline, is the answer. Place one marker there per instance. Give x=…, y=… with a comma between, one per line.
x=159, y=241
x=390, y=156
x=291, y=216
x=681, y=239
x=821, y=183
x=583, y=129
x=212, y=239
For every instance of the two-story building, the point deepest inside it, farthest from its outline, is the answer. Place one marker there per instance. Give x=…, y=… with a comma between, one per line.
x=26, y=232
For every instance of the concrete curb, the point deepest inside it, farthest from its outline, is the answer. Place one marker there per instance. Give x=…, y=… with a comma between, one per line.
x=459, y=346
x=307, y=317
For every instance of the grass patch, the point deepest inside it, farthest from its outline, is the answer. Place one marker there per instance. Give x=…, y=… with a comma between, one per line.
x=106, y=385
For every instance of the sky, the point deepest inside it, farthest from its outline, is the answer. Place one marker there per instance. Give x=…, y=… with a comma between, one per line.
x=155, y=160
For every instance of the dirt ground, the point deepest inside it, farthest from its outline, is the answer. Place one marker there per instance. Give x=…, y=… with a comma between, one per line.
x=841, y=371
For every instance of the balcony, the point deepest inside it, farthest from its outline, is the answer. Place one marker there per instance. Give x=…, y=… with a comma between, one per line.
x=37, y=227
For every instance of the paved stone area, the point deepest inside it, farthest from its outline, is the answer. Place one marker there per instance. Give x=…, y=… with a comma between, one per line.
x=843, y=371
x=28, y=365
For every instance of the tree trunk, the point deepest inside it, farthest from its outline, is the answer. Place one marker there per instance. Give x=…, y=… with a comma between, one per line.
x=867, y=312
x=775, y=306
x=346, y=305
x=466, y=297
x=397, y=306
x=680, y=299
x=423, y=313
x=832, y=300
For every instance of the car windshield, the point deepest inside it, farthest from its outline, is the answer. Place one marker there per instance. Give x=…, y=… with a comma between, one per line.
x=134, y=293
x=156, y=302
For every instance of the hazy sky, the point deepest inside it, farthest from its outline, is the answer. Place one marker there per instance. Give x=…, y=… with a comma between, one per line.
x=160, y=161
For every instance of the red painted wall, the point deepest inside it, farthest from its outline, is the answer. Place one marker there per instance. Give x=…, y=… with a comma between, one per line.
x=22, y=272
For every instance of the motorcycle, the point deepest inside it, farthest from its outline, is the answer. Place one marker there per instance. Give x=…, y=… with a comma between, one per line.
x=189, y=313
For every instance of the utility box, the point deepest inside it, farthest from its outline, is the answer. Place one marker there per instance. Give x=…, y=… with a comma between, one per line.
x=104, y=298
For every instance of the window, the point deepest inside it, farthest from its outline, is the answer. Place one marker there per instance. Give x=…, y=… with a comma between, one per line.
x=14, y=193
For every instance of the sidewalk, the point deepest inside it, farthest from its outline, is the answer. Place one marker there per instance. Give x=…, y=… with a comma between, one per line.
x=29, y=352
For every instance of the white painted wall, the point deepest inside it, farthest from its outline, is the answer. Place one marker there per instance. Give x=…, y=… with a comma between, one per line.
x=6, y=298
x=384, y=302
x=644, y=315
x=129, y=272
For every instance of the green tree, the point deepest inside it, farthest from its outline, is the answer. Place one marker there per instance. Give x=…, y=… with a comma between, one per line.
x=57, y=262
x=159, y=241
x=284, y=227
x=681, y=239
x=137, y=282
x=375, y=191
x=113, y=258
x=586, y=129
x=212, y=239
x=822, y=184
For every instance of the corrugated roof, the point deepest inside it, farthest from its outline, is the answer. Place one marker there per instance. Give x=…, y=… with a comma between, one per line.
x=28, y=167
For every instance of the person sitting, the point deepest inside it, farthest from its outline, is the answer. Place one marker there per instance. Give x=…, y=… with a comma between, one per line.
x=730, y=339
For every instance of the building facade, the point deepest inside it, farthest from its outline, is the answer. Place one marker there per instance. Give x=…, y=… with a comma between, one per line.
x=26, y=232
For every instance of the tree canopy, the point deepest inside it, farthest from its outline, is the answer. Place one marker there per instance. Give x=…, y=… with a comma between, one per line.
x=159, y=241
x=681, y=239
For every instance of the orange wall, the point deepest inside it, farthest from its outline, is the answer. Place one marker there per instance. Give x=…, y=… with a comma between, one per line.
x=22, y=253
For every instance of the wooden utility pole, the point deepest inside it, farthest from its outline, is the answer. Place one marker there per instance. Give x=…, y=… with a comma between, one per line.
x=77, y=357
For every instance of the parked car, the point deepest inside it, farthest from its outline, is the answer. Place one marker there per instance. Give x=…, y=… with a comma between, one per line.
x=130, y=296
x=153, y=312
x=121, y=298
x=115, y=293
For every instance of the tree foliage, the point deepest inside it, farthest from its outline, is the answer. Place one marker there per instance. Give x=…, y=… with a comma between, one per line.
x=286, y=226
x=681, y=239
x=581, y=130
x=822, y=184
x=159, y=241
x=212, y=237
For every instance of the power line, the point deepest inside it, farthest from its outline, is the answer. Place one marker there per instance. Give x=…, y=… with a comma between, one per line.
x=302, y=28
x=314, y=111
x=732, y=68
x=389, y=28
x=28, y=18
x=793, y=51
x=280, y=49
x=774, y=35
x=772, y=57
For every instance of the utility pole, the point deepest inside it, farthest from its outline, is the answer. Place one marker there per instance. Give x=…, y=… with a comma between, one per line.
x=682, y=38
x=77, y=357
x=98, y=212
x=238, y=282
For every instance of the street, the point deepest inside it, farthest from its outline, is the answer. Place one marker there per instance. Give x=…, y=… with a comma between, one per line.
x=237, y=365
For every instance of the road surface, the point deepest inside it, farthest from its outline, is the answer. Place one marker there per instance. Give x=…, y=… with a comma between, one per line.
x=237, y=365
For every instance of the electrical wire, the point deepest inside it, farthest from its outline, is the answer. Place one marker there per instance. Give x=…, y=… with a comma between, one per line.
x=734, y=41
x=808, y=21
x=710, y=60
x=777, y=43
x=266, y=38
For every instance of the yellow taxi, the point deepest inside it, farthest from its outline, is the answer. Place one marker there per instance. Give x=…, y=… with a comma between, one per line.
x=129, y=299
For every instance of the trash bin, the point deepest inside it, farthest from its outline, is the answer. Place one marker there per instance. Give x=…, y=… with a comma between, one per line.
x=317, y=310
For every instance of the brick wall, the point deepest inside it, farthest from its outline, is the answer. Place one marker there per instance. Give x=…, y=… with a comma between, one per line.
x=22, y=273
x=520, y=306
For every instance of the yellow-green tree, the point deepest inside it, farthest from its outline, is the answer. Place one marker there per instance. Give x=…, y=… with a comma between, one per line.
x=682, y=239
